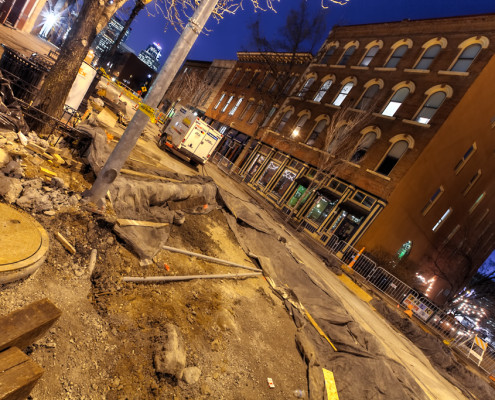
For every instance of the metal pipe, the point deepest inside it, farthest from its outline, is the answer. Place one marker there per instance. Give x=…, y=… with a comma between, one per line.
x=213, y=259
x=161, y=279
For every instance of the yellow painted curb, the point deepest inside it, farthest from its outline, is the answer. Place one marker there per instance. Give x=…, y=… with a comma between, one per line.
x=355, y=288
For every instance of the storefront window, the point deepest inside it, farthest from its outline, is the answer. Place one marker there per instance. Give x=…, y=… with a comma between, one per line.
x=300, y=191
x=258, y=160
x=268, y=174
x=321, y=209
x=283, y=183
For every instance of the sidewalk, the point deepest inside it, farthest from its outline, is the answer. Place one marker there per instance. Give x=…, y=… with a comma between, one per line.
x=23, y=42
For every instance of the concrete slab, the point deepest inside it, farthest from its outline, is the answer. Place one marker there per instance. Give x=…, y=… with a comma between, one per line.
x=23, y=244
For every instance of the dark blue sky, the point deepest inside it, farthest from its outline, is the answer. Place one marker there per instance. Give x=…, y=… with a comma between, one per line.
x=231, y=34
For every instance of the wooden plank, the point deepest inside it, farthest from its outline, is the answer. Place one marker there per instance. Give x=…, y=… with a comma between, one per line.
x=18, y=374
x=132, y=222
x=64, y=242
x=148, y=176
x=24, y=326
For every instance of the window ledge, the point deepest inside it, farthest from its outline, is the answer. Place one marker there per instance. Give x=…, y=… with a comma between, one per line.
x=377, y=174
x=384, y=116
x=362, y=67
x=417, y=71
x=332, y=106
x=353, y=164
x=385, y=69
x=416, y=123
x=337, y=66
x=455, y=73
x=313, y=101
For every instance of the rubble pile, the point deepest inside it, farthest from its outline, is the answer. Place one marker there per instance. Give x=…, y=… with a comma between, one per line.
x=19, y=153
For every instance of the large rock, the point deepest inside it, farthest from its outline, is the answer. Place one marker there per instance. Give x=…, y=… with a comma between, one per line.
x=10, y=188
x=170, y=356
x=191, y=375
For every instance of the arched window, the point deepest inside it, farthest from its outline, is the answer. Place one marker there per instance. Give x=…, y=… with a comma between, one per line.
x=328, y=54
x=396, y=101
x=305, y=87
x=368, y=96
x=283, y=120
x=323, y=89
x=369, y=56
x=227, y=104
x=396, y=56
x=428, y=57
x=347, y=54
x=299, y=124
x=337, y=138
x=466, y=58
x=316, y=132
x=430, y=107
x=393, y=156
x=343, y=93
x=363, y=147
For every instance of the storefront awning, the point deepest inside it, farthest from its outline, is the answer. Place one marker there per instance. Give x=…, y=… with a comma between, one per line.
x=302, y=180
x=354, y=209
x=328, y=194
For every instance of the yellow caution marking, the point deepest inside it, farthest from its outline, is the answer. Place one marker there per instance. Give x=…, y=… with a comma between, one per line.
x=330, y=385
x=149, y=111
x=318, y=329
x=363, y=295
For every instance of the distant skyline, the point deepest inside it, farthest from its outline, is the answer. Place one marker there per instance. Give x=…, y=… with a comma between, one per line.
x=231, y=34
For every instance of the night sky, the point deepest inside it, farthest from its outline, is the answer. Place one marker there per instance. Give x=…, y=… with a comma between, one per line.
x=231, y=34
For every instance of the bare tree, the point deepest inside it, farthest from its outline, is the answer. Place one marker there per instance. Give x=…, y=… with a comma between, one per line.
x=339, y=145
x=188, y=88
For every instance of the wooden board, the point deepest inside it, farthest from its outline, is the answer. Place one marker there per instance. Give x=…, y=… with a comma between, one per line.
x=148, y=176
x=23, y=327
x=18, y=374
x=132, y=222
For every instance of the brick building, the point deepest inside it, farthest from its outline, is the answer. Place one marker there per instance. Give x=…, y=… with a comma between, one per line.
x=417, y=184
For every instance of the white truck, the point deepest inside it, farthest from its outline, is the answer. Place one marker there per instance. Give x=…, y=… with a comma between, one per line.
x=189, y=137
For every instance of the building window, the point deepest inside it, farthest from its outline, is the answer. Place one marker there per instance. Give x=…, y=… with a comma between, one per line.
x=316, y=132
x=236, y=106
x=363, y=199
x=368, y=96
x=323, y=89
x=328, y=54
x=321, y=209
x=471, y=183
x=227, y=104
x=465, y=158
x=466, y=58
x=305, y=87
x=396, y=101
x=428, y=57
x=269, y=116
x=430, y=107
x=263, y=82
x=219, y=101
x=253, y=79
x=347, y=54
x=392, y=158
x=268, y=174
x=369, y=56
x=452, y=233
x=246, y=109
x=482, y=218
x=396, y=56
x=404, y=250
x=363, y=147
x=283, y=183
x=234, y=77
x=223, y=129
x=299, y=124
x=444, y=217
x=256, y=113
x=433, y=200
x=283, y=120
x=343, y=93
x=477, y=202
x=289, y=84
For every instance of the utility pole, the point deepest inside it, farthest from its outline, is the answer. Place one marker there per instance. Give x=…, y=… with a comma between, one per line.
x=140, y=4
x=128, y=140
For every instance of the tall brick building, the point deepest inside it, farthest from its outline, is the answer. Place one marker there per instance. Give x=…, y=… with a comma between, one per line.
x=418, y=184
